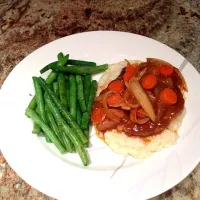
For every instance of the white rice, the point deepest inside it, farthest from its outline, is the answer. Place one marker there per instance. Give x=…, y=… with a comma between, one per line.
x=136, y=146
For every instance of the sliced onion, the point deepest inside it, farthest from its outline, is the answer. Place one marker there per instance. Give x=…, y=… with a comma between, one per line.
x=159, y=110
x=142, y=112
x=141, y=67
x=121, y=104
x=126, y=84
x=134, y=119
x=100, y=97
x=108, y=112
x=139, y=76
x=157, y=90
x=128, y=63
x=124, y=106
x=132, y=104
x=151, y=96
x=142, y=98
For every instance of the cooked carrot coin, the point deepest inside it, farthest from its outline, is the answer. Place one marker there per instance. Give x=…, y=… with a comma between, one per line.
x=127, y=77
x=130, y=71
x=116, y=86
x=98, y=115
x=113, y=99
x=166, y=70
x=149, y=81
x=168, y=96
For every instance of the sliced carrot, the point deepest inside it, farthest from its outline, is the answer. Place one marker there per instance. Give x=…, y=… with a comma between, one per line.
x=130, y=71
x=166, y=70
x=131, y=68
x=149, y=81
x=98, y=115
x=116, y=86
x=154, y=71
x=127, y=77
x=168, y=96
x=113, y=99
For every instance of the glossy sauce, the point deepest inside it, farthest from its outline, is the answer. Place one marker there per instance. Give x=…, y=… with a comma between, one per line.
x=165, y=113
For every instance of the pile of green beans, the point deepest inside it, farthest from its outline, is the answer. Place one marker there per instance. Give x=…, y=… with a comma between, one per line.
x=62, y=104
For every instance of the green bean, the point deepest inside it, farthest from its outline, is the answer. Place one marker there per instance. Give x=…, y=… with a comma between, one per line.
x=86, y=132
x=92, y=96
x=55, y=88
x=80, y=93
x=36, y=128
x=47, y=67
x=37, y=110
x=85, y=120
x=80, y=70
x=62, y=60
x=47, y=139
x=87, y=85
x=68, y=117
x=73, y=94
x=78, y=114
x=60, y=56
x=50, y=79
x=33, y=103
x=69, y=61
x=67, y=91
x=52, y=123
x=68, y=144
x=40, y=102
x=81, y=63
x=68, y=131
x=39, y=99
x=58, y=118
x=56, y=63
x=47, y=130
x=62, y=89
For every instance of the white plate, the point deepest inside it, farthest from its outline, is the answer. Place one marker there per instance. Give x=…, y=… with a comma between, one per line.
x=63, y=177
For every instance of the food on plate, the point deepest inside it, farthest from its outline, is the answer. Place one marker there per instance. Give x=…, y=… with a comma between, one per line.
x=62, y=104
x=139, y=106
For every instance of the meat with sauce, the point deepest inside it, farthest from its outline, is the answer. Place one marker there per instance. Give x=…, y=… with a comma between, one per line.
x=131, y=118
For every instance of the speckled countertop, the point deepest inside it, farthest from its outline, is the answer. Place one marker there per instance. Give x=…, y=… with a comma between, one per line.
x=26, y=25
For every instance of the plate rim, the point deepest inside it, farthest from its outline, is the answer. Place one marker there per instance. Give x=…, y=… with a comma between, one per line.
x=44, y=46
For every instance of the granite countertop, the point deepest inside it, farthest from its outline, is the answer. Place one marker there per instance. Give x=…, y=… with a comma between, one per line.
x=25, y=25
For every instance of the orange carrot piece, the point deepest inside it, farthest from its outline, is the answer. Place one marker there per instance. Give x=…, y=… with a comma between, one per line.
x=149, y=81
x=113, y=99
x=166, y=70
x=98, y=115
x=116, y=86
x=168, y=96
x=130, y=71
